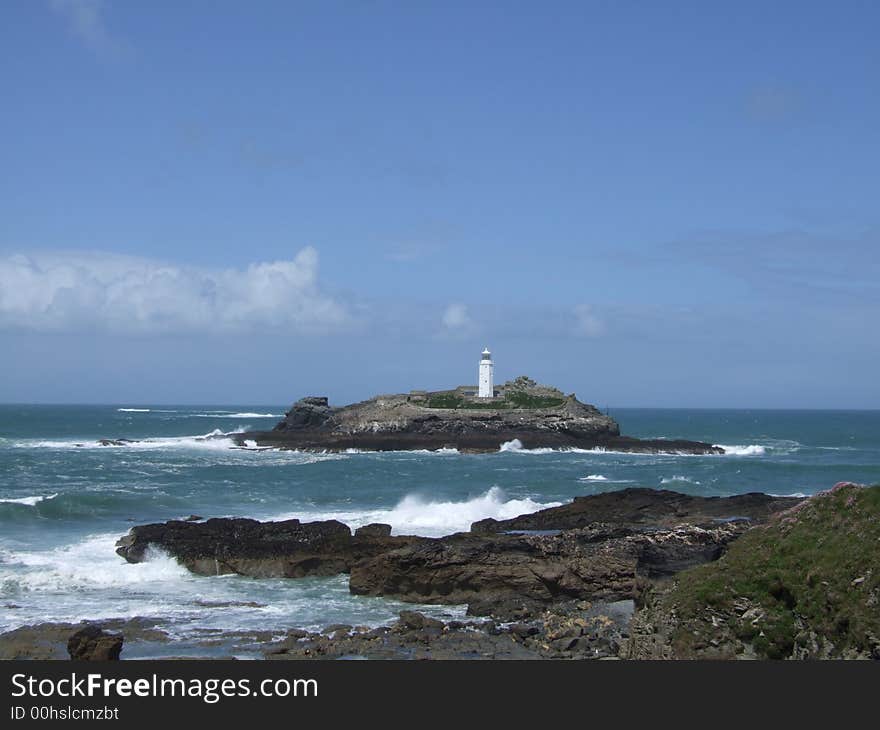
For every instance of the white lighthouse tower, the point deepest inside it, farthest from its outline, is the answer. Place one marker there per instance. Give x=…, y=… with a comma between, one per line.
x=486, y=371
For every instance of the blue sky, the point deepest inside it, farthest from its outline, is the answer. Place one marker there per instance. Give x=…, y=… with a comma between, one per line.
x=650, y=204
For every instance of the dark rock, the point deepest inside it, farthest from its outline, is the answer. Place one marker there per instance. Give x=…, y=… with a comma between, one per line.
x=49, y=640
x=505, y=608
x=375, y=529
x=92, y=643
x=194, y=518
x=639, y=507
x=523, y=630
x=598, y=562
x=333, y=628
x=288, y=549
x=417, y=621
x=309, y=412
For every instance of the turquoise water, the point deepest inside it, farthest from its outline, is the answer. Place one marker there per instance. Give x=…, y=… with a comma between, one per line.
x=65, y=499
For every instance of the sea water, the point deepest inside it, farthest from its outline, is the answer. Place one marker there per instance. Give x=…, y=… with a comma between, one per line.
x=65, y=499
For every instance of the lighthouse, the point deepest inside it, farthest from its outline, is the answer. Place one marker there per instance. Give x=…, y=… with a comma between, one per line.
x=486, y=389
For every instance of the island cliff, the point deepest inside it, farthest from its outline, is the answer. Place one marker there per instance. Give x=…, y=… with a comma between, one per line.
x=522, y=415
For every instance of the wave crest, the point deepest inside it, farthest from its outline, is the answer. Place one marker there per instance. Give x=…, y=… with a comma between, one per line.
x=738, y=450
x=418, y=515
x=28, y=501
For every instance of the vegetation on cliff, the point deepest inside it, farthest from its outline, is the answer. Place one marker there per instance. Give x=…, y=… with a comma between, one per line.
x=511, y=400
x=805, y=585
x=521, y=392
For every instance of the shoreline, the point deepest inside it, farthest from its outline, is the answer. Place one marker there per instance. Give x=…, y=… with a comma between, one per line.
x=632, y=573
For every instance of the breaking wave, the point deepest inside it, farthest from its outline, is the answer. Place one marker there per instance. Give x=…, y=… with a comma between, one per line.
x=216, y=439
x=516, y=446
x=444, y=451
x=89, y=564
x=678, y=479
x=594, y=478
x=28, y=501
x=224, y=414
x=418, y=515
x=750, y=450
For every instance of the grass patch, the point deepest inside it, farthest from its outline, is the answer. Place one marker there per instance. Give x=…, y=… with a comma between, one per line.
x=524, y=400
x=512, y=400
x=814, y=570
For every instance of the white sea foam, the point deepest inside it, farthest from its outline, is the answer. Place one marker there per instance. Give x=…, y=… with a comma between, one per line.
x=791, y=494
x=146, y=410
x=441, y=452
x=89, y=564
x=678, y=478
x=738, y=450
x=29, y=501
x=594, y=478
x=418, y=515
x=224, y=414
x=216, y=439
x=516, y=446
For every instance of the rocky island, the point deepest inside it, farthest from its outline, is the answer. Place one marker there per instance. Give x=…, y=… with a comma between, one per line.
x=520, y=413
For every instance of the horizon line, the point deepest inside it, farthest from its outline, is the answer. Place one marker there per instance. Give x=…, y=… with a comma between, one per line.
x=133, y=404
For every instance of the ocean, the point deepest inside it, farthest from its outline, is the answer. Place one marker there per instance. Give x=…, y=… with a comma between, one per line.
x=65, y=499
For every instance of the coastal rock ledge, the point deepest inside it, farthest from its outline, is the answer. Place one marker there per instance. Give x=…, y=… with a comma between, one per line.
x=602, y=546
x=523, y=415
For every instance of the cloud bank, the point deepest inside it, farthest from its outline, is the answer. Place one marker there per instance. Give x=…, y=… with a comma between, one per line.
x=56, y=292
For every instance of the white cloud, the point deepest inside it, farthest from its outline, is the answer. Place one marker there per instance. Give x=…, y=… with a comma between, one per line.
x=96, y=291
x=587, y=323
x=456, y=317
x=85, y=19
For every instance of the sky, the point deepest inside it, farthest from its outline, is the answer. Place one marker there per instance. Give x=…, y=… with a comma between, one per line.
x=648, y=204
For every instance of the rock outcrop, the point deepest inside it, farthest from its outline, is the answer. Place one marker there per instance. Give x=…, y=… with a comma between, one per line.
x=286, y=549
x=600, y=547
x=804, y=585
x=52, y=640
x=436, y=421
x=641, y=507
x=599, y=562
x=573, y=630
x=92, y=644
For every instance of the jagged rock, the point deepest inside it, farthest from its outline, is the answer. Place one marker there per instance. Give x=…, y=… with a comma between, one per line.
x=640, y=507
x=413, y=620
x=309, y=412
x=601, y=561
x=573, y=554
x=590, y=631
x=374, y=529
x=92, y=643
x=288, y=549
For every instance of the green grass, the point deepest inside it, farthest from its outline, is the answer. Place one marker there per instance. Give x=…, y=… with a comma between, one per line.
x=817, y=568
x=512, y=400
x=524, y=400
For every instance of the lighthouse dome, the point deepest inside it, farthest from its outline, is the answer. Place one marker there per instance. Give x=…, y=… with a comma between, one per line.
x=486, y=354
